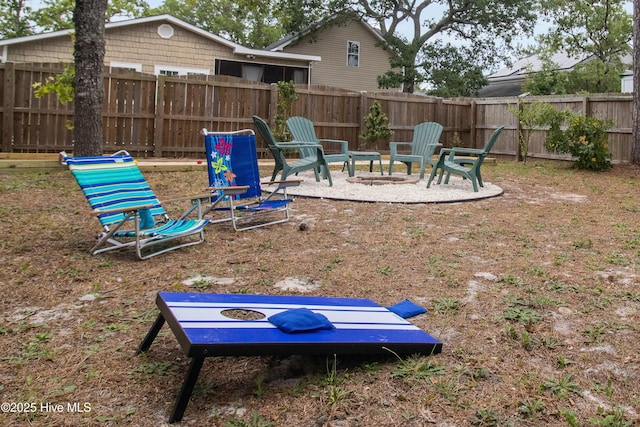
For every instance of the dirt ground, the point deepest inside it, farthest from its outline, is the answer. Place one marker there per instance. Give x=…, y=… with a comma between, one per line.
x=535, y=295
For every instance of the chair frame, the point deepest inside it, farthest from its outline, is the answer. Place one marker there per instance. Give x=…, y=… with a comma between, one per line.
x=465, y=162
x=423, y=146
x=303, y=131
x=223, y=198
x=121, y=209
x=314, y=161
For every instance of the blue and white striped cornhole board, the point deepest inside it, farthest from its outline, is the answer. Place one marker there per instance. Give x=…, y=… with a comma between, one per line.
x=203, y=330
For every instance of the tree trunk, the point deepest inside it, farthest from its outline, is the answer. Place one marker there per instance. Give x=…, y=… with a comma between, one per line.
x=635, y=133
x=89, y=19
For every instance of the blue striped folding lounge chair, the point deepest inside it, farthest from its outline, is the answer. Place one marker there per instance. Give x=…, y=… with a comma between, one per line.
x=234, y=180
x=127, y=208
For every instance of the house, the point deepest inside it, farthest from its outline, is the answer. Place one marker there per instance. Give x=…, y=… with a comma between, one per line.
x=353, y=53
x=509, y=80
x=626, y=82
x=169, y=46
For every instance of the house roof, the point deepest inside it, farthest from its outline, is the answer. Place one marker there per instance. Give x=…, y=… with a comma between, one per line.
x=294, y=37
x=535, y=63
x=237, y=49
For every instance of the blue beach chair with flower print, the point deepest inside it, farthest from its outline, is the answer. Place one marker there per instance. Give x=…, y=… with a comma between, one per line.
x=128, y=210
x=234, y=181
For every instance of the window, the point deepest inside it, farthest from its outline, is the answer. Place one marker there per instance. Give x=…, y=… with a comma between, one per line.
x=353, y=54
x=168, y=73
x=167, y=70
x=125, y=66
x=265, y=73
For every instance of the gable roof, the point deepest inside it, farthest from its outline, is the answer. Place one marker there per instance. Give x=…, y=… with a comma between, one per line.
x=535, y=63
x=290, y=39
x=236, y=48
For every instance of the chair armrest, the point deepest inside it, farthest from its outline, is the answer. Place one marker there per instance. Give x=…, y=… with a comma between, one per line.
x=191, y=198
x=285, y=183
x=239, y=189
x=393, y=146
x=122, y=210
x=344, y=145
x=297, y=144
x=465, y=151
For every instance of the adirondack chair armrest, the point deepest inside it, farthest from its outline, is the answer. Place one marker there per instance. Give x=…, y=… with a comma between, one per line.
x=123, y=210
x=344, y=145
x=393, y=146
x=458, y=151
x=298, y=144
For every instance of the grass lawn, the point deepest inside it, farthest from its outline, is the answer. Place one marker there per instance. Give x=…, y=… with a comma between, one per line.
x=535, y=295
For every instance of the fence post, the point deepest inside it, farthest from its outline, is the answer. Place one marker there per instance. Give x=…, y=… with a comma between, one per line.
x=273, y=104
x=586, y=106
x=363, y=112
x=519, y=140
x=473, y=124
x=159, y=117
x=8, y=106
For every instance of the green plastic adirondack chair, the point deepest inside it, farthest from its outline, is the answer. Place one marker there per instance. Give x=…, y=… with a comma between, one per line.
x=313, y=159
x=425, y=141
x=465, y=162
x=303, y=131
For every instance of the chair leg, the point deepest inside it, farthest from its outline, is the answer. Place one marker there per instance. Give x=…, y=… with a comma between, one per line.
x=473, y=180
x=431, y=176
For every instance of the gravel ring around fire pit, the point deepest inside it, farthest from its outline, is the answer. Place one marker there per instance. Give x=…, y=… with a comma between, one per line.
x=372, y=190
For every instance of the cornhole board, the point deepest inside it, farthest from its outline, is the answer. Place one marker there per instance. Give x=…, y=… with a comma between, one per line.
x=203, y=327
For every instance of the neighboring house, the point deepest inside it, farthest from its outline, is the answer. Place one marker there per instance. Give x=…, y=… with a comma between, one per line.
x=509, y=81
x=626, y=82
x=167, y=45
x=353, y=54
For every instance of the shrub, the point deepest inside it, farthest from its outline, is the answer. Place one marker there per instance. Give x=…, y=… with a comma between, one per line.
x=585, y=139
x=287, y=95
x=376, y=125
x=531, y=116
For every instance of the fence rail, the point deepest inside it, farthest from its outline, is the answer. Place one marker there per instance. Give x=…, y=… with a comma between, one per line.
x=158, y=116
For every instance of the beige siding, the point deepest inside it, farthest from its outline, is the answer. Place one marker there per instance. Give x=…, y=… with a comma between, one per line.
x=141, y=44
x=55, y=50
x=331, y=45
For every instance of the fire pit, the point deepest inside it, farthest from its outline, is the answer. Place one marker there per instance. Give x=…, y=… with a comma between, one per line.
x=383, y=180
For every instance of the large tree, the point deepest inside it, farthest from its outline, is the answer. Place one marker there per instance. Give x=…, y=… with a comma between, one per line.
x=251, y=23
x=15, y=19
x=89, y=48
x=486, y=27
x=54, y=15
x=599, y=30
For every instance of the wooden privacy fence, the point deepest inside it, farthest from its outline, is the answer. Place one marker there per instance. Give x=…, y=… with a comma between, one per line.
x=158, y=116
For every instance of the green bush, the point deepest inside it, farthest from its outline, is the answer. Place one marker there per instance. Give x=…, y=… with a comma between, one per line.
x=376, y=125
x=585, y=139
